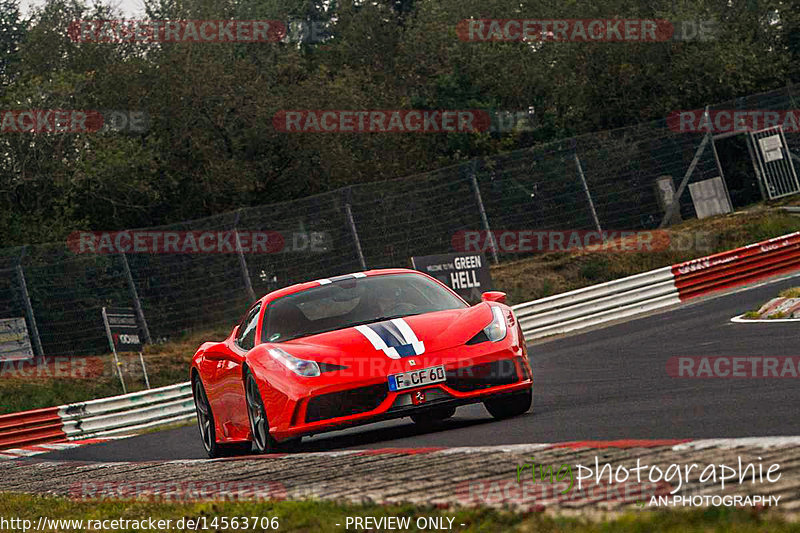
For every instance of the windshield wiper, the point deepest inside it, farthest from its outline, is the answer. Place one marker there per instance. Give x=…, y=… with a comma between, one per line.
x=354, y=324
x=380, y=319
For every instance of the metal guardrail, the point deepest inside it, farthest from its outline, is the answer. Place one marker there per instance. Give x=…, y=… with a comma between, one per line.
x=737, y=267
x=657, y=289
x=97, y=418
x=578, y=309
x=130, y=412
x=598, y=304
x=30, y=427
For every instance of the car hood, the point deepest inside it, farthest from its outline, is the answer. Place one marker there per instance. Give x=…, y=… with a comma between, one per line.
x=426, y=333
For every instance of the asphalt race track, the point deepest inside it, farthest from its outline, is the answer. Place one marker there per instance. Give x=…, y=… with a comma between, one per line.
x=609, y=383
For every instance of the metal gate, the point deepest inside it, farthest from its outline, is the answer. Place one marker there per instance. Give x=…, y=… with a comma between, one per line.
x=773, y=162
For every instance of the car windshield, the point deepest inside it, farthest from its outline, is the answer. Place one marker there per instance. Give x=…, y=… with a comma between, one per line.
x=352, y=302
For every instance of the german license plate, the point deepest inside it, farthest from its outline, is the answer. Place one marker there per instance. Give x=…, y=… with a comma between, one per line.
x=417, y=378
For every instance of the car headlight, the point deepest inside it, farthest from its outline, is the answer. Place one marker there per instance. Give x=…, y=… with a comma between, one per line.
x=497, y=329
x=301, y=367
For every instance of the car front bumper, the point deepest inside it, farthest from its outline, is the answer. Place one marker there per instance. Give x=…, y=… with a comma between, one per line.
x=366, y=401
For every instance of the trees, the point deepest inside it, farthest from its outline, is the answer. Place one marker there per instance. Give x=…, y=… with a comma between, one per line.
x=211, y=146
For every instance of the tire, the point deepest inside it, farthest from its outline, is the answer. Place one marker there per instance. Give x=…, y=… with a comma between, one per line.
x=434, y=416
x=205, y=423
x=257, y=413
x=510, y=405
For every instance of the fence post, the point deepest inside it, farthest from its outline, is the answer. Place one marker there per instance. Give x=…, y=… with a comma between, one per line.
x=352, y=223
x=248, y=285
x=791, y=95
x=586, y=192
x=137, y=304
x=37, y=342
x=484, y=220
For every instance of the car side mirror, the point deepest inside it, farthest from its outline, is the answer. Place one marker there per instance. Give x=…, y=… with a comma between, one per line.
x=494, y=296
x=234, y=331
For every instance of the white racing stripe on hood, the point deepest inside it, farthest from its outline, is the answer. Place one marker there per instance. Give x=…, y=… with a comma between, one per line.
x=378, y=333
x=410, y=336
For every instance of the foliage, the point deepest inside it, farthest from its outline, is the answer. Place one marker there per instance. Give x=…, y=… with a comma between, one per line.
x=210, y=146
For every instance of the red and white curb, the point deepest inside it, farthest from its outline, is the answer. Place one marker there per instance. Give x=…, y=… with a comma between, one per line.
x=38, y=449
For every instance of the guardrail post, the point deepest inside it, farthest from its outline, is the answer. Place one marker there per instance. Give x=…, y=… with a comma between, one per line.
x=484, y=219
x=26, y=299
x=248, y=285
x=352, y=223
x=137, y=304
x=587, y=193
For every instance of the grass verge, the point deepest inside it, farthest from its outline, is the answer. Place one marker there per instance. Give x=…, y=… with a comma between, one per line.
x=794, y=292
x=324, y=516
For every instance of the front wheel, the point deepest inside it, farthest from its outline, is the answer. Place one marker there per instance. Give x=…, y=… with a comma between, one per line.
x=259, y=425
x=510, y=405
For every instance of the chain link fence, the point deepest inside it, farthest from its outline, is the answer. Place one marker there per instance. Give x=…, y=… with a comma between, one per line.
x=604, y=179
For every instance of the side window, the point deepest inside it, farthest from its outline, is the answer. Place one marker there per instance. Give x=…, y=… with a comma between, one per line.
x=246, y=337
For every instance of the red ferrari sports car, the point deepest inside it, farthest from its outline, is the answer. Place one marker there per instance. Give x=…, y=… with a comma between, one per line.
x=355, y=349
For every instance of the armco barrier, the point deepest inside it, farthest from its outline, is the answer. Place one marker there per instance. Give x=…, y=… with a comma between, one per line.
x=594, y=305
x=642, y=293
x=737, y=267
x=31, y=427
x=134, y=411
x=574, y=310
x=97, y=418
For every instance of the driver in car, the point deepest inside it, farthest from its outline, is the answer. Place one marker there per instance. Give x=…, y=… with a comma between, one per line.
x=390, y=303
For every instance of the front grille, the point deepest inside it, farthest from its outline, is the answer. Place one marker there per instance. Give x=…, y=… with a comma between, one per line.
x=344, y=403
x=483, y=376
